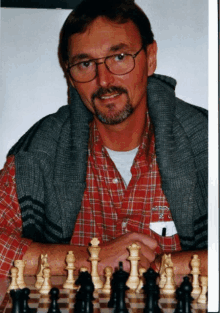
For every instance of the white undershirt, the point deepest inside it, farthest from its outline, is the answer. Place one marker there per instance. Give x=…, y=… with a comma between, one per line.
x=123, y=161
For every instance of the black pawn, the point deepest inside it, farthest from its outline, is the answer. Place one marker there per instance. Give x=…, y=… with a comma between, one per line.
x=152, y=292
x=179, y=297
x=84, y=296
x=186, y=288
x=25, y=298
x=16, y=296
x=54, y=296
x=120, y=286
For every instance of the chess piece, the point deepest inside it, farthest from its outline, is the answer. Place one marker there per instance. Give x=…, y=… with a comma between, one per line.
x=202, y=297
x=107, y=286
x=70, y=282
x=195, y=263
x=94, y=250
x=43, y=264
x=16, y=296
x=186, y=288
x=133, y=279
x=142, y=270
x=83, y=269
x=179, y=306
x=14, y=274
x=46, y=286
x=165, y=262
x=20, y=264
x=84, y=296
x=121, y=278
x=24, y=303
x=54, y=296
x=152, y=292
x=169, y=287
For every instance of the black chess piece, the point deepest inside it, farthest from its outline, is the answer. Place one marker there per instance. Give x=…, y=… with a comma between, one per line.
x=54, y=296
x=186, y=288
x=84, y=296
x=152, y=292
x=16, y=296
x=179, y=297
x=24, y=302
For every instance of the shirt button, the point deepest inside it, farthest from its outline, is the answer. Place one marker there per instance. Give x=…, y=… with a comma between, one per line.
x=124, y=224
x=115, y=181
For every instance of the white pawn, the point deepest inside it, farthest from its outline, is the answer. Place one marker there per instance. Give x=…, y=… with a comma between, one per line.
x=94, y=250
x=14, y=275
x=195, y=263
x=142, y=270
x=43, y=264
x=165, y=262
x=108, y=274
x=202, y=297
x=46, y=286
x=20, y=264
x=83, y=269
x=70, y=282
x=169, y=287
x=133, y=279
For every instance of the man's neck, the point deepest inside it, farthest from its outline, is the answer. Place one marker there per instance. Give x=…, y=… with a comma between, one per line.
x=124, y=136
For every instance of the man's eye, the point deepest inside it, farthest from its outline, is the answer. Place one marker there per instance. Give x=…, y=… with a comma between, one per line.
x=85, y=64
x=119, y=57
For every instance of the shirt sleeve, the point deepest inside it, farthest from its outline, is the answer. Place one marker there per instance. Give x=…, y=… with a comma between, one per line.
x=12, y=245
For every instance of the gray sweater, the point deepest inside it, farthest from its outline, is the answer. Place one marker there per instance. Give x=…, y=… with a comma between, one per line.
x=51, y=163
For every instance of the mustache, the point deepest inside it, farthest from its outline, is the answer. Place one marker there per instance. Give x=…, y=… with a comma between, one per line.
x=104, y=91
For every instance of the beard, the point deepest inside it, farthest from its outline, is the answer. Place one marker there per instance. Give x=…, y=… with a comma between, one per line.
x=113, y=117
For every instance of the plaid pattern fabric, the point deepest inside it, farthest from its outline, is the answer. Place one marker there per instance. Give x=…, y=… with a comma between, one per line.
x=109, y=209
x=12, y=246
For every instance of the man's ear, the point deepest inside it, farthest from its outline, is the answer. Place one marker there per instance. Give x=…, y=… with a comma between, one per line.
x=152, y=57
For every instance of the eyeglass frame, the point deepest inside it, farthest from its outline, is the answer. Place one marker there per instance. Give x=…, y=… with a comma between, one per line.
x=104, y=62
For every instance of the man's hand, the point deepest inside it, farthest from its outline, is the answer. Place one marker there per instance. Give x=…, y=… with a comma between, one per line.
x=116, y=250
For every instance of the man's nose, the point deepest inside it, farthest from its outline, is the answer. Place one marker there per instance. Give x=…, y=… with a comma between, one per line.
x=104, y=77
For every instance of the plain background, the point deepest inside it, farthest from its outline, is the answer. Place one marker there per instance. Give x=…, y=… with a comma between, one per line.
x=33, y=85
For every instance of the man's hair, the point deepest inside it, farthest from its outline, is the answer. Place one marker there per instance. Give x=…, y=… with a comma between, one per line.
x=119, y=11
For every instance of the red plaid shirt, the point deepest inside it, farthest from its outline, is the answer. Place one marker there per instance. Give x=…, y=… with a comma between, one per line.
x=109, y=208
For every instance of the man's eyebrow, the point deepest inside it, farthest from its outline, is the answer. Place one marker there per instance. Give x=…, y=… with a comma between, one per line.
x=82, y=56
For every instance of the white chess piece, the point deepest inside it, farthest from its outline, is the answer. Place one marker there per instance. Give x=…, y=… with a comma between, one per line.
x=204, y=283
x=43, y=264
x=165, y=262
x=20, y=264
x=70, y=282
x=46, y=286
x=195, y=263
x=14, y=275
x=83, y=269
x=133, y=279
x=94, y=250
x=142, y=270
x=108, y=274
x=169, y=287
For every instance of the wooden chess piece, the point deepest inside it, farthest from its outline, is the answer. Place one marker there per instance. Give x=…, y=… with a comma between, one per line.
x=70, y=282
x=142, y=270
x=133, y=279
x=16, y=296
x=14, y=274
x=204, y=283
x=195, y=263
x=43, y=264
x=20, y=264
x=108, y=274
x=54, y=296
x=94, y=250
x=165, y=262
x=46, y=286
x=169, y=287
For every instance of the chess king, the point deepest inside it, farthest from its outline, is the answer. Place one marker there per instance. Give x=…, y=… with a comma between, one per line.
x=125, y=161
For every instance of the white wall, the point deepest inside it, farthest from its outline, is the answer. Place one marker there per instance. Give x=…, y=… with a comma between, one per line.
x=32, y=83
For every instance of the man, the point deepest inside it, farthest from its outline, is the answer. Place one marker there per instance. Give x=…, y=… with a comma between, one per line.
x=125, y=162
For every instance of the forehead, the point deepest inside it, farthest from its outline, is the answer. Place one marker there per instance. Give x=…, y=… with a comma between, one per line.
x=101, y=35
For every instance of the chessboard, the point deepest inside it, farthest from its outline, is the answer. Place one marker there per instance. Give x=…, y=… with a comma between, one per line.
x=135, y=303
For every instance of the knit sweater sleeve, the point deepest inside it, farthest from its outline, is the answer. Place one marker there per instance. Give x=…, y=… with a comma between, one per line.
x=12, y=245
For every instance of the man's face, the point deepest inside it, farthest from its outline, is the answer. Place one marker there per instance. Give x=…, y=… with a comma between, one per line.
x=112, y=98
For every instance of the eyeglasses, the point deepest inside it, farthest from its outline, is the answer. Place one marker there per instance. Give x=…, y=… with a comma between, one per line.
x=117, y=64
